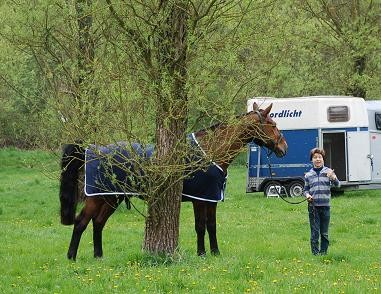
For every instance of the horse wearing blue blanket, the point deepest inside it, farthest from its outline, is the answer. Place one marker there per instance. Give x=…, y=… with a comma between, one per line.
x=115, y=173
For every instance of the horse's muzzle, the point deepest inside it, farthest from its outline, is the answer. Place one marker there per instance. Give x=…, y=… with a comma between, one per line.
x=281, y=148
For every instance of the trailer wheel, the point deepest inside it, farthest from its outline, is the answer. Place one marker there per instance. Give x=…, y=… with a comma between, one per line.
x=295, y=189
x=271, y=189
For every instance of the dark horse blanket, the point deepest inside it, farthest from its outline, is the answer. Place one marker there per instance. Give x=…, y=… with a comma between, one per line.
x=112, y=170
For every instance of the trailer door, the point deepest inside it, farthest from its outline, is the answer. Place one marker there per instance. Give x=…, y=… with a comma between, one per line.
x=335, y=152
x=254, y=167
x=359, y=164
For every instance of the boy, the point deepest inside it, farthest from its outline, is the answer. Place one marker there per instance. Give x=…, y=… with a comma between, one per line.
x=317, y=190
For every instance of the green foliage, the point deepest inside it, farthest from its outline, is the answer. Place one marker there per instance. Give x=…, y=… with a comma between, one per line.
x=264, y=243
x=253, y=48
x=347, y=33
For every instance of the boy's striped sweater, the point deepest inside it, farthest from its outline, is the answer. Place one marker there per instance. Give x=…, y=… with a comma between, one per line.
x=319, y=186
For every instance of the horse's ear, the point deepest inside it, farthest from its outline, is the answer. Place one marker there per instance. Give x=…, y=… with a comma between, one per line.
x=267, y=110
x=255, y=106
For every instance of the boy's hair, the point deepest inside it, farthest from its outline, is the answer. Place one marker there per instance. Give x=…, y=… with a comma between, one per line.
x=317, y=150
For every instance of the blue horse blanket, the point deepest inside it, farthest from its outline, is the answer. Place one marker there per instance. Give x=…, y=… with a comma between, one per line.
x=113, y=170
x=110, y=170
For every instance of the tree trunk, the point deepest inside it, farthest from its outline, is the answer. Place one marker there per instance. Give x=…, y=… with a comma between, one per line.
x=162, y=223
x=357, y=89
x=86, y=51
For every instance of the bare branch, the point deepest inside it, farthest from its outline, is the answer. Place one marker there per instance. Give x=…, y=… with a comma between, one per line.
x=133, y=35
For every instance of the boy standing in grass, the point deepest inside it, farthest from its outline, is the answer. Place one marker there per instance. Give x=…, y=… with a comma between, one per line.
x=317, y=190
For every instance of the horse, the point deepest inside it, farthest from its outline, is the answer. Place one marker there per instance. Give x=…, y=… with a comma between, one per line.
x=223, y=140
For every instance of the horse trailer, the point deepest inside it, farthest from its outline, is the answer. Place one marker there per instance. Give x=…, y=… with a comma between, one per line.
x=347, y=128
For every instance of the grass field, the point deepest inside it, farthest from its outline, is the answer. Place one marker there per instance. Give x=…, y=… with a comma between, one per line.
x=264, y=243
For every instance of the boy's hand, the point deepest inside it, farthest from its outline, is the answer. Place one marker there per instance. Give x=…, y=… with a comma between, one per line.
x=331, y=175
x=309, y=198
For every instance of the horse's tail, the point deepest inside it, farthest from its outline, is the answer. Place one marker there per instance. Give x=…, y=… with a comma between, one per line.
x=72, y=160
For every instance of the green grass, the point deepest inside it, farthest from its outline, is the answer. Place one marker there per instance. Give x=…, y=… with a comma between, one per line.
x=264, y=243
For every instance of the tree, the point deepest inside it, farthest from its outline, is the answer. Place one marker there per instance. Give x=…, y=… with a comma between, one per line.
x=354, y=26
x=120, y=70
x=161, y=40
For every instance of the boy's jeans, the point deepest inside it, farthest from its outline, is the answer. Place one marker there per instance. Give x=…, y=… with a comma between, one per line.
x=319, y=221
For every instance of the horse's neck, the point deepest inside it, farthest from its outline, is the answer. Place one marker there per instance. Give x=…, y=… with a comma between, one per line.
x=223, y=145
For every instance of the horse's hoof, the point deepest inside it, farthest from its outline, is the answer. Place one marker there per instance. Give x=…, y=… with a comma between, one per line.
x=201, y=254
x=215, y=252
x=71, y=256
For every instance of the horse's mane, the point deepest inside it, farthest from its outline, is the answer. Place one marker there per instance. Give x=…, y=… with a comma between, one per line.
x=219, y=124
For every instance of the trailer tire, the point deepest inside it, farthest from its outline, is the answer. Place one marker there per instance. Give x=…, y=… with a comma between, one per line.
x=295, y=189
x=267, y=187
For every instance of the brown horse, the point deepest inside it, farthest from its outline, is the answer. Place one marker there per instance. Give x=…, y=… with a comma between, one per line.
x=223, y=141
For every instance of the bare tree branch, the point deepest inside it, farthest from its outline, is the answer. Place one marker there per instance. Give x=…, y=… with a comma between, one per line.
x=136, y=38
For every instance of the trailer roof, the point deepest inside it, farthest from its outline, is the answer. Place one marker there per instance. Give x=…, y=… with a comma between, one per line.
x=311, y=112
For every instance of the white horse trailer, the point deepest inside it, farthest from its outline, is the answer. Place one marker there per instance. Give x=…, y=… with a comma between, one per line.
x=348, y=128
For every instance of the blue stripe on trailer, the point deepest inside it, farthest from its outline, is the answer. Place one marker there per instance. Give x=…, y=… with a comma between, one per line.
x=298, y=142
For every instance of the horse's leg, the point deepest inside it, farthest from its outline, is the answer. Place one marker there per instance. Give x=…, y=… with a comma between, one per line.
x=199, y=209
x=99, y=220
x=80, y=224
x=211, y=227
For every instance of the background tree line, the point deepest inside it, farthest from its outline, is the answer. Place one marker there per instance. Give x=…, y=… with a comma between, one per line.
x=103, y=71
x=265, y=48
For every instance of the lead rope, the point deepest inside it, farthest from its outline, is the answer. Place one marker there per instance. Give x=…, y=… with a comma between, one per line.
x=119, y=201
x=268, y=153
x=137, y=210
x=279, y=194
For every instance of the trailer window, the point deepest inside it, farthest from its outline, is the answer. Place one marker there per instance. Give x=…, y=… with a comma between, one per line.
x=377, y=118
x=338, y=113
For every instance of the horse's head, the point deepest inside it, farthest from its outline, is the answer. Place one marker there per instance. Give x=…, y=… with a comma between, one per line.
x=268, y=134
